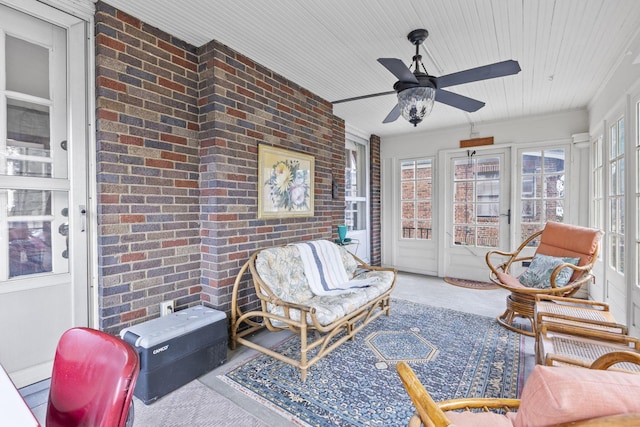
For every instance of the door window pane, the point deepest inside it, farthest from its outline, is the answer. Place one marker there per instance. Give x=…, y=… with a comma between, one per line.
x=28, y=141
x=476, y=208
x=542, y=185
x=27, y=67
x=597, y=219
x=29, y=247
x=38, y=228
x=416, y=182
x=616, y=224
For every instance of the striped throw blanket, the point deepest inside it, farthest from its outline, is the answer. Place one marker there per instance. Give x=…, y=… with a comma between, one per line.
x=325, y=272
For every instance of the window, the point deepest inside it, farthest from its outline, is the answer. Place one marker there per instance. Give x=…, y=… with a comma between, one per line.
x=616, y=196
x=416, y=182
x=542, y=196
x=597, y=202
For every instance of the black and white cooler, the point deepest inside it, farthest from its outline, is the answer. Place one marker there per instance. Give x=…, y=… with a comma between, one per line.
x=176, y=349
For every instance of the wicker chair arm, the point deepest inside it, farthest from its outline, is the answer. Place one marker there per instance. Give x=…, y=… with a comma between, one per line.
x=591, y=333
x=550, y=317
x=575, y=301
x=607, y=360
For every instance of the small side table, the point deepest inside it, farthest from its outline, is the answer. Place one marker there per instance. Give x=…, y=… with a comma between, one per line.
x=348, y=244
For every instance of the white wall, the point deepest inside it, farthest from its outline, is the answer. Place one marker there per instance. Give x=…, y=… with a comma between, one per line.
x=421, y=257
x=624, y=80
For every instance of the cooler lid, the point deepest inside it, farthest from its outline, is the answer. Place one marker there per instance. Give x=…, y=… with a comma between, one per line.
x=162, y=329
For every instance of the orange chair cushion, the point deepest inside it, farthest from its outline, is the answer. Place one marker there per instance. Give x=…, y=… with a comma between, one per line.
x=554, y=395
x=568, y=240
x=478, y=419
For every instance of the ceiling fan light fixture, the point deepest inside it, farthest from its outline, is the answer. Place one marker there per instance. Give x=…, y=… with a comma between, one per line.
x=416, y=103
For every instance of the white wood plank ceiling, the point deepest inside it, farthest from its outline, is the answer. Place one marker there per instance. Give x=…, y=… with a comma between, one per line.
x=566, y=48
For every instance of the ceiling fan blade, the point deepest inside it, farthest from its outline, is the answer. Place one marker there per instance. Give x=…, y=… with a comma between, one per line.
x=398, y=69
x=458, y=101
x=491, y=71
x=355, y=98
x=393, y=115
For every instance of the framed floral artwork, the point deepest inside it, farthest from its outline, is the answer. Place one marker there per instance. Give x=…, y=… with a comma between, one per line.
x=285, y=183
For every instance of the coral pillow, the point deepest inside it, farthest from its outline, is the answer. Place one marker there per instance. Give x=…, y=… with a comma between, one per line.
x=554, y=395
x=538, y=275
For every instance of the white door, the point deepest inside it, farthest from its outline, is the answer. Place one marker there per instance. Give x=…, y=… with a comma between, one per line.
x=43, y=243
x=356, y=200
x=477, y=217
x=634, y=273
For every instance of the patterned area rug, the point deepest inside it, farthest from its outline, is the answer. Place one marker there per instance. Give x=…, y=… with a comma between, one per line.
x=454, y=354
x=471, y=284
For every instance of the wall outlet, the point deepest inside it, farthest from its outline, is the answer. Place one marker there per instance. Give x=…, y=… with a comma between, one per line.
x=166, y=307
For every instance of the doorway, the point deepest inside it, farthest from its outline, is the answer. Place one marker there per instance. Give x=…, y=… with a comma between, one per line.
x=43, y=200
x=356, y=199
x=478, y=210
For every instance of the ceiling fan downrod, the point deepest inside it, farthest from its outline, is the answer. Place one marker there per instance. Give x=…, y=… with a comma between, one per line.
x=417, y=37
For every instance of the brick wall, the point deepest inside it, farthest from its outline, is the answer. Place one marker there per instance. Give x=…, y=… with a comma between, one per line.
x=242, y=105
x=375, y=185
x=178, y=129
x=147, y=166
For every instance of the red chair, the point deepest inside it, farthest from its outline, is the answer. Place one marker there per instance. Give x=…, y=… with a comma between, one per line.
x=93, y=378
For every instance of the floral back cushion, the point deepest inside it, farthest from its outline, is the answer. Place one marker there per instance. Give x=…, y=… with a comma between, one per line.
x=281, y=269
x=538, y=275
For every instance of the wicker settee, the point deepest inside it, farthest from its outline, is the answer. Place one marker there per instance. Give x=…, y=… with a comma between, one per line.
x=287, y=302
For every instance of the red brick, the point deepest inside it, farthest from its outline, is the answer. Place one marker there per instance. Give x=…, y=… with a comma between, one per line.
x=173, y=156
x=111, y=84
x=137, y=256
x=107, y=115
x=134, y=22
x=170, y=48
x=109, y=198
x=171, y=85
x=224, y=66
x=132, y=218
x=184, y=63
x=264, y=85
x=236, y=113
x=238, y=239
x=186, y=183
x=174, y=243
x=101, y=39
x=131, y=140
x=156, y=163
x=132, y=315
x=173, y=138
x=223, y=217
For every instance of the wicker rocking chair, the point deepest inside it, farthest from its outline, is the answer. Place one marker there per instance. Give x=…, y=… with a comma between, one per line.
x=566, y=253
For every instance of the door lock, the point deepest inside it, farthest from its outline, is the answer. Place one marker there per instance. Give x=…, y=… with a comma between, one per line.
x=83, y=218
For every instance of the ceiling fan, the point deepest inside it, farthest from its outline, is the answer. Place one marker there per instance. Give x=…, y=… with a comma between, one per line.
x=418, y=90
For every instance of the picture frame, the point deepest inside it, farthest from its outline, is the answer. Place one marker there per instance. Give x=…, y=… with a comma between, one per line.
x=285, y=183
